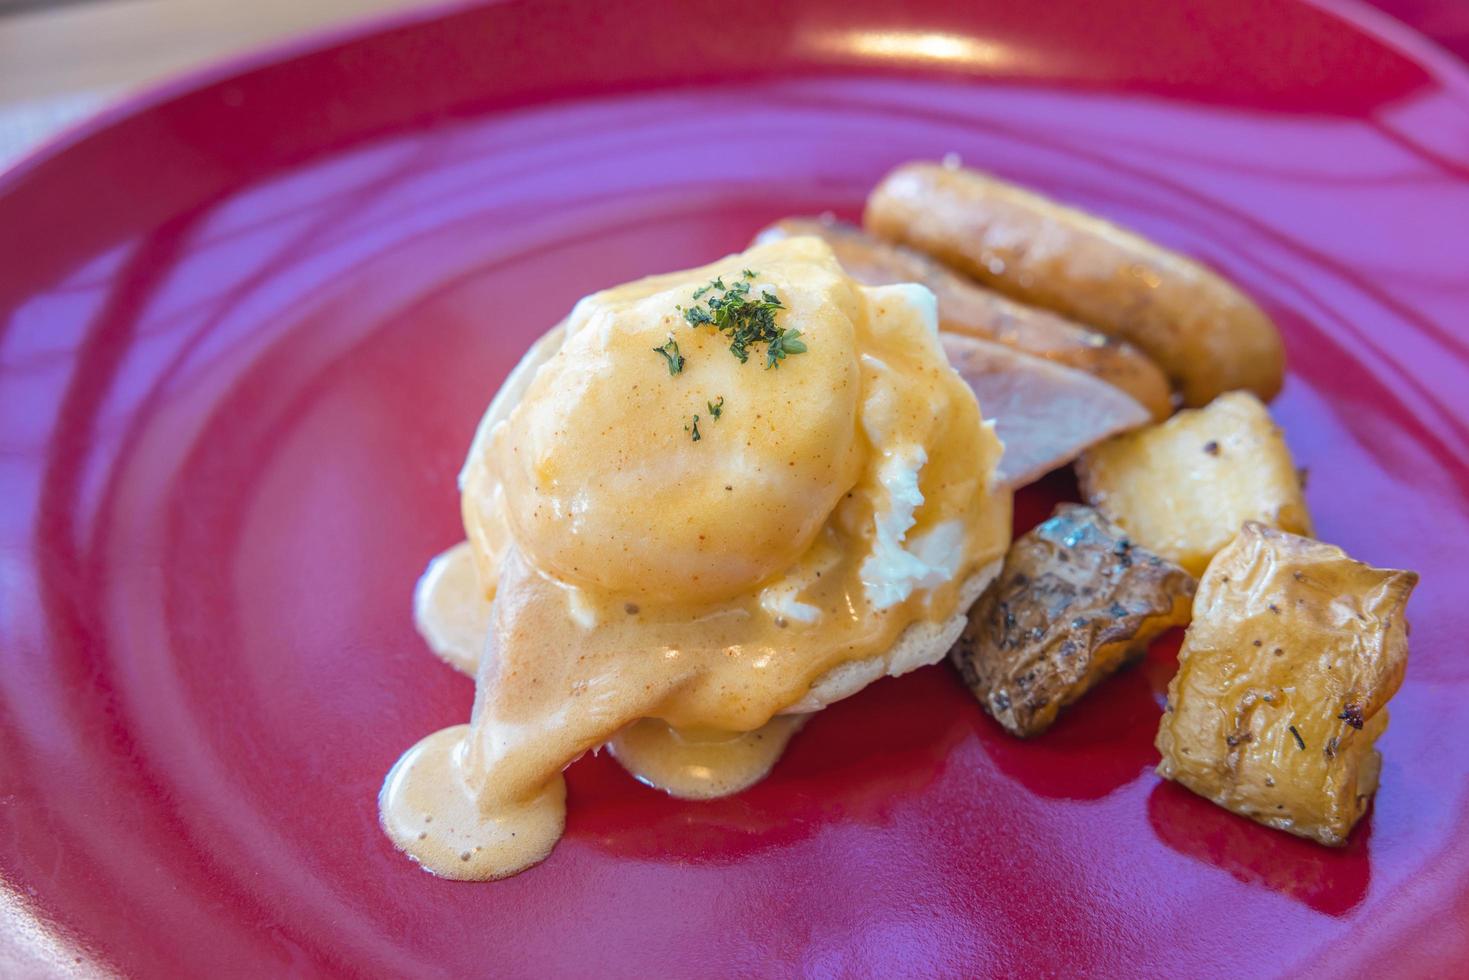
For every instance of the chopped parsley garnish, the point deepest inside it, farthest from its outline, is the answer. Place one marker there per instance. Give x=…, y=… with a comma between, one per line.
x=714, y=284
x=671, y=355
x=716, y=408
x=745, y=319
x=694, y=429
x=784, y=344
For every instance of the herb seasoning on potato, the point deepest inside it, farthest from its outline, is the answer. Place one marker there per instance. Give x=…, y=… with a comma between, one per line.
x=1183, y=488
x=1075, y=602
x=1283, y=683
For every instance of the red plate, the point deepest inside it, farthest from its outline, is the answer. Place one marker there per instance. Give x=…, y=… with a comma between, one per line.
x=250, y=325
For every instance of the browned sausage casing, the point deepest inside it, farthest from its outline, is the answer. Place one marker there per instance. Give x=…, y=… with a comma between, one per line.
x=1207, y=335
x=965, y=307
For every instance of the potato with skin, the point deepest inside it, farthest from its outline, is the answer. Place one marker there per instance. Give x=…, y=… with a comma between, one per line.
x=1283, y=682
x=1075, y=602
x=1206, y=334
x=967, y=308
x=1184, y=488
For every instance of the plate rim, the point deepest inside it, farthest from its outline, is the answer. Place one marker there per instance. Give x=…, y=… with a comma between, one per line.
x=1449, y=73
x=1447, y=70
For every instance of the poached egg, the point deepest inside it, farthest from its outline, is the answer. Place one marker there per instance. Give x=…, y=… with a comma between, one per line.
x=678, y=552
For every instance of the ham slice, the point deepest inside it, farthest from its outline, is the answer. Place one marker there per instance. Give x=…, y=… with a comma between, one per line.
x=1045, y=413
x=968, y=308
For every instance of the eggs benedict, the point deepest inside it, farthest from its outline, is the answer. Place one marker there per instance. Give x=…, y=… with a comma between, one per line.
x=705, y=506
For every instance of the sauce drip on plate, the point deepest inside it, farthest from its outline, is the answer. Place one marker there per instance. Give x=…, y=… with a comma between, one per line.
x=702, y=765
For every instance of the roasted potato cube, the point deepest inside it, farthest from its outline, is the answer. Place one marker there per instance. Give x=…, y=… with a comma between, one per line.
x=1075, y=602
x=1283, y=682
x=1183, y=488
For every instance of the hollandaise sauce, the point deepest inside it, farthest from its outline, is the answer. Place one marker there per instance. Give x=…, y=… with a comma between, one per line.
x=702, y=765
x=452, y=610
x=682, y=599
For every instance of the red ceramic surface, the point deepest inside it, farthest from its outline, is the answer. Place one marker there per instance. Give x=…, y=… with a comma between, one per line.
x=249, y=326
x=1446, y=22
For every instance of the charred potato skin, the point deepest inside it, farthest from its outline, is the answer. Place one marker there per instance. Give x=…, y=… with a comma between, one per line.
x=967, y=308
x=1283, y=681
x=1183, y=488
x=1075, y=602
x=1206, y=334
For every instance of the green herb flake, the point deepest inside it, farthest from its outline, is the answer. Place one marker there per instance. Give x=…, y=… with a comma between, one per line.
x=784, y=345
x=745, y=320
x=694, y=429
x=671, y=355
x=716, y=408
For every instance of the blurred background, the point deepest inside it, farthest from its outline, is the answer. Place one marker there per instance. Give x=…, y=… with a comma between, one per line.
x=61, y=60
